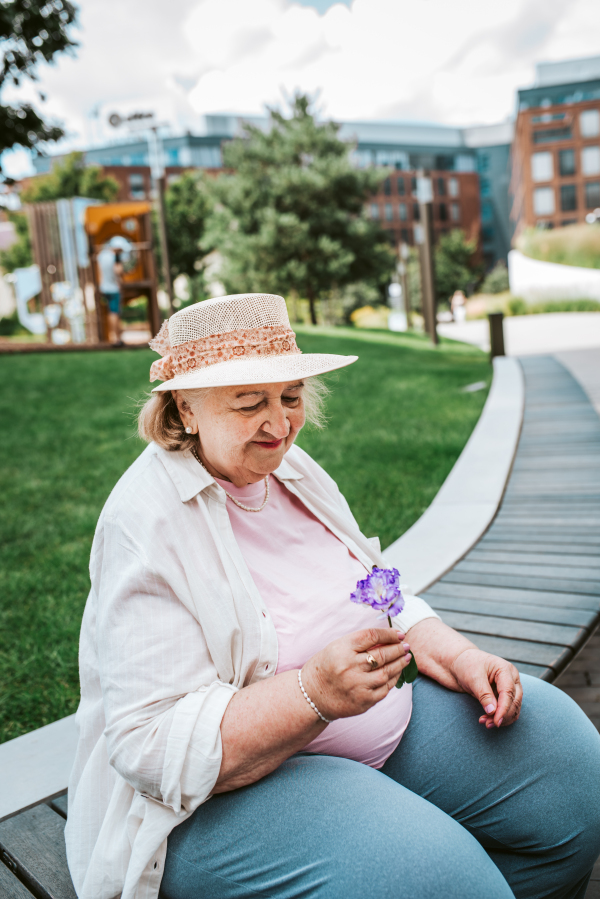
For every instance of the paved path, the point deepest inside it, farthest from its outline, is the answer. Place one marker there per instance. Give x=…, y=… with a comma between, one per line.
x=532, y=334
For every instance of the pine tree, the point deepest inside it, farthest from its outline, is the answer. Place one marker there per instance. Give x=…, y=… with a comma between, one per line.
x=290, y=216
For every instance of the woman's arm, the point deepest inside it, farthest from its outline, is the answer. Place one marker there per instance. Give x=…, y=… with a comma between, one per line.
x=267, y=722
x=449, y=658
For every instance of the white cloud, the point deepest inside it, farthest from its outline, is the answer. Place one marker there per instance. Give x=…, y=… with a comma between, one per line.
x=454, y=62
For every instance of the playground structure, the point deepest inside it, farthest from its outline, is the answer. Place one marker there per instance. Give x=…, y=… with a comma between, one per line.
x=130, y=222
x=63, y=285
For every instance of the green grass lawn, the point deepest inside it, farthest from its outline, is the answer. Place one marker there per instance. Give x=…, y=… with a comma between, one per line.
x=397, y=422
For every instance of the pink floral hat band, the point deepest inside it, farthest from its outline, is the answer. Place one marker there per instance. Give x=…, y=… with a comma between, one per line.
x=268, y=340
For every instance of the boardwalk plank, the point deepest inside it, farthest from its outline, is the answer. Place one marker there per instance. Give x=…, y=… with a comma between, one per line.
x=519, y=611
x=10, y=887
x=34, y=842
x=542, y=654
x=445, y=587
x=514, y=628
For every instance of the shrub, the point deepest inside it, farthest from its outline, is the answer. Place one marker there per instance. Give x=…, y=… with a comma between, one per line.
x=497, y=280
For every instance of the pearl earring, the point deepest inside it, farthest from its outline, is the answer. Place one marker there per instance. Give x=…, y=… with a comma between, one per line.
x=188, y=430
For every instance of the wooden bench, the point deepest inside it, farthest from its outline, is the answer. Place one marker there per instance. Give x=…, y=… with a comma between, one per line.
x=526, y=587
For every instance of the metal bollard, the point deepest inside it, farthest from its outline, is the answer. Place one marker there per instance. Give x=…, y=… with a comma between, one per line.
x=496, y=334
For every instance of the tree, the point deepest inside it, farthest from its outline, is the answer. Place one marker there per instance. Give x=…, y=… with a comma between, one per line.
x=19, y=254
x=31, y=32
x=188, y=204
x=455, y=267
x=291, y=215
x=71, y=178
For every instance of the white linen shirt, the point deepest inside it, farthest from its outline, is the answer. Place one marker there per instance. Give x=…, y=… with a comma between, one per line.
x=173, y=627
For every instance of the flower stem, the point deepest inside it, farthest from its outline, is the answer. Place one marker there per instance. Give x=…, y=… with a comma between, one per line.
x=390, y=621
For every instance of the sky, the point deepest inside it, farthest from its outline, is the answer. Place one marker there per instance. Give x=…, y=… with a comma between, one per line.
x=457, y=62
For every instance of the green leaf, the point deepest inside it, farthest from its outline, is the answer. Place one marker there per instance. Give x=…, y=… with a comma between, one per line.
x=409, y=674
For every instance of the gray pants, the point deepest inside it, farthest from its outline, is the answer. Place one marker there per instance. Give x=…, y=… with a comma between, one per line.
x=457, y=812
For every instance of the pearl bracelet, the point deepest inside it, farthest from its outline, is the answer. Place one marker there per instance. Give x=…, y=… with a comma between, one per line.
x=309, y=700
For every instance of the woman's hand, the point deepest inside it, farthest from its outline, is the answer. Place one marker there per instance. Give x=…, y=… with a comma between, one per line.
x=493, y=681
x=342, y=682
x=453, y=661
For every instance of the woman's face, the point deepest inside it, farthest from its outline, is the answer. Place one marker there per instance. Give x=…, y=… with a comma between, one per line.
x=245, y=431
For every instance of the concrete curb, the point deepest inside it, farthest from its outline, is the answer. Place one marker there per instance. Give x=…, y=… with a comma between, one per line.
x=469, y=497
x=37, y=765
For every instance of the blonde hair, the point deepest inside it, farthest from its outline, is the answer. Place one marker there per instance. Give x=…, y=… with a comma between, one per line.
x=159, y=420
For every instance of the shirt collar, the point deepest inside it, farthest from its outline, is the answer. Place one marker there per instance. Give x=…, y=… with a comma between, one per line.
x=190, y=478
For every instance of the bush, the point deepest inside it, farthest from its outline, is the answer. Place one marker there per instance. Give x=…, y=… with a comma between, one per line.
x=573, y=245
x=10, y=326
x=497, y=280
x=517, y=306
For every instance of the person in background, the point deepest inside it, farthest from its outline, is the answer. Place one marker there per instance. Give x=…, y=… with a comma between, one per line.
x=111, y=272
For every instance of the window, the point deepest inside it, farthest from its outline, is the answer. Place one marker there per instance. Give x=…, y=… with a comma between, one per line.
x=568, y=197
x=137, y=188
x=542, y=166
x=404, y=235
x=487, y=234
x=455, y=212
x=401, y=187
x=590, y=160
x=464, y=164
x=374, y=211
x=453, y=187
x=485, y=188
x=592, y=195
x=443, y=212
x=566, y=222
x=441, y=187
x=413, y=186
x=487, y=212
x=416, y=212
x=403, y=212
x=389, y=212
x=548, y=135
x=387, y=187
x=589, y=123
x=566, y=162
x=543, y=201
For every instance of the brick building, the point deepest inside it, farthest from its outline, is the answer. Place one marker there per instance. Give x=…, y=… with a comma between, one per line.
x=455, y=205
x=556, y=150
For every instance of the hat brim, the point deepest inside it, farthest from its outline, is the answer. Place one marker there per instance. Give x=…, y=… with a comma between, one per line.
x=257, y=370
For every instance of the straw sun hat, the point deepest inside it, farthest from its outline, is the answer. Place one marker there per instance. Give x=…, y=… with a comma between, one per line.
x=241, y=339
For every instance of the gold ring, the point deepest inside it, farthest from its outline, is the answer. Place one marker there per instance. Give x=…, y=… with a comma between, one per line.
x=372, y=661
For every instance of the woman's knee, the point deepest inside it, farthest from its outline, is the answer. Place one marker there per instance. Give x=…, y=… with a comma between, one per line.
x=565, y=751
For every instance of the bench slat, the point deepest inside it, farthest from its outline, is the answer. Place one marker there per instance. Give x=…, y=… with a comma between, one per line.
x=10, y=887
x=545, y=655
x=534, y=631
x=518, y=611
x=554, y=585
x=34, y=841
x=446, y=587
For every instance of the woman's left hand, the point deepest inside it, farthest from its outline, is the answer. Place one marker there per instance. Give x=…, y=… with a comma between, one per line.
x=493, y=681
x=449, y=658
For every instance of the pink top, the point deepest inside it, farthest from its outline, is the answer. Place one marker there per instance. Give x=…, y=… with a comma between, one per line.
x=305, y=576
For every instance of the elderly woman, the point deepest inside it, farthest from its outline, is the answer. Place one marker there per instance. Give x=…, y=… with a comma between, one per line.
x=221, y=659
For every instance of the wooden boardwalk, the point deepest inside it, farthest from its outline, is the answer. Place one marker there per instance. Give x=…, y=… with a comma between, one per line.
x=529, y=590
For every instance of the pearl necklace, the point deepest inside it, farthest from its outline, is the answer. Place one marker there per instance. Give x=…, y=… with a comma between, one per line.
x=232, y=498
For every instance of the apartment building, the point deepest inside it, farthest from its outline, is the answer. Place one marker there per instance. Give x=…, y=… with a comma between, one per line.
x=556, y=149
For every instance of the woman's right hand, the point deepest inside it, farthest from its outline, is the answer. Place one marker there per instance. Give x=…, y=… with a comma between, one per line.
x=341, y=681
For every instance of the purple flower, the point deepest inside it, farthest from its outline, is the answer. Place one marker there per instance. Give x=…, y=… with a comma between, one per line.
x=381, y=591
